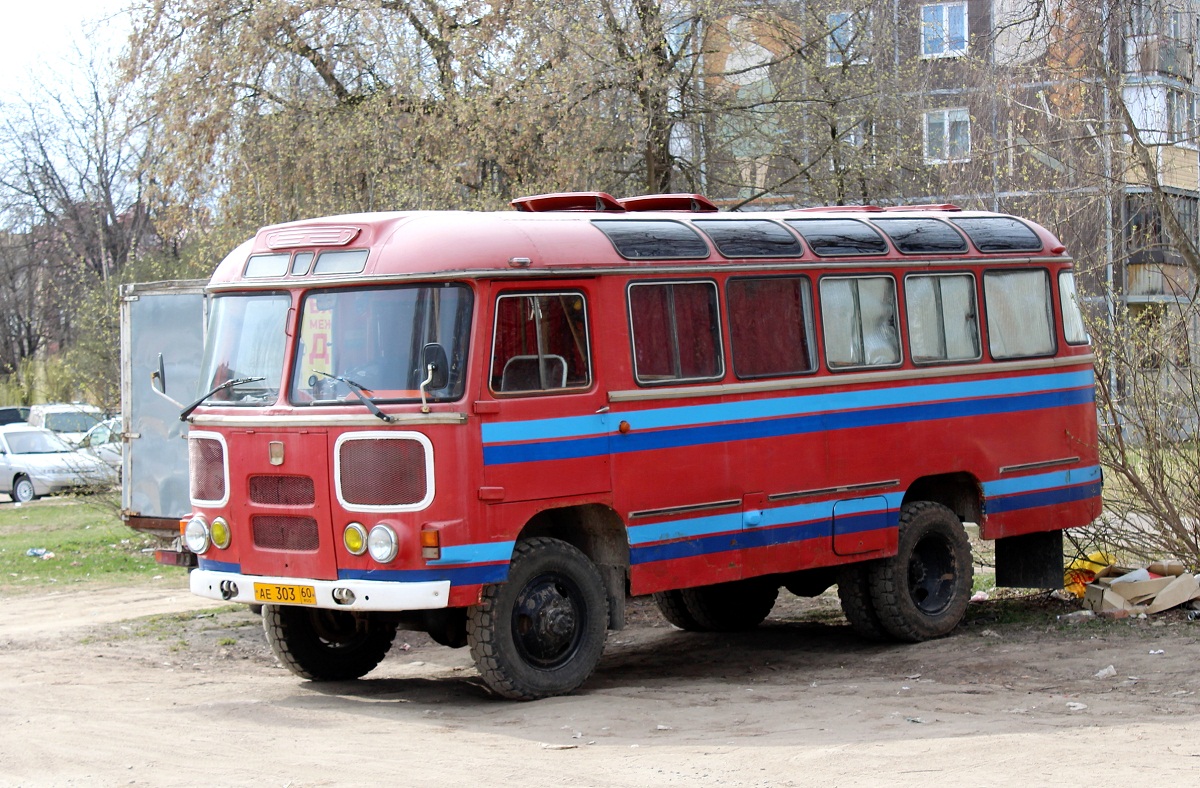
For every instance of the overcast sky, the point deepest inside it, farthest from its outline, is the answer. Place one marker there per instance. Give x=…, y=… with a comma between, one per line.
x=40, y=37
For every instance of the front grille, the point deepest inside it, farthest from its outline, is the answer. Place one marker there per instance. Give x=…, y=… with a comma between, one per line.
x=382, y=472
x=206, y=469
x=274, y=532
x=282, y=490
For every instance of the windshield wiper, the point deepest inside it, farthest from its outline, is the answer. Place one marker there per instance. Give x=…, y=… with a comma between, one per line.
x=226, y=385
x=359, y=391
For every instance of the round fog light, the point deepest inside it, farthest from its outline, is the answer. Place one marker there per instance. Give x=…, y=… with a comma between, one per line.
x=220, y=533
x=355, y=538
x=381, y=543
x=196, y=536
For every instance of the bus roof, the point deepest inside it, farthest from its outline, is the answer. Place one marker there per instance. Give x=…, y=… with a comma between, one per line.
x=592, y=233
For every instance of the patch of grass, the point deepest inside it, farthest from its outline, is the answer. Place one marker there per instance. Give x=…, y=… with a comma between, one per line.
x=227, y=642
x=88, y=543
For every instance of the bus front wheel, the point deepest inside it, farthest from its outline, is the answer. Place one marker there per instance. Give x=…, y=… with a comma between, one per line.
x=922, y=592
x=541, y=632
x=326, y=645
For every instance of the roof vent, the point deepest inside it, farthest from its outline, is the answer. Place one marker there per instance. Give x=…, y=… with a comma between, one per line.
x=691, y=203
x=569, y=201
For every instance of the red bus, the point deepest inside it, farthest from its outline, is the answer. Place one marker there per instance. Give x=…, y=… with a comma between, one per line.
x=495, y=427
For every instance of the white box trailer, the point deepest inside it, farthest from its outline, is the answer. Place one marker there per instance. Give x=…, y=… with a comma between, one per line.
x=162, y=333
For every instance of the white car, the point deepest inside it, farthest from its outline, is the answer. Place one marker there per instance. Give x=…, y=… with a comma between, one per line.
x=35, y=462
x=70, y=420
x=104, y=441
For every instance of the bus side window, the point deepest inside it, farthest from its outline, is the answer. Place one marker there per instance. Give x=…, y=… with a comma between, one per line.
x=943, y=324
x=540, y=343
x=1020, y=314
x=1073, y=328
x=858, y=315
x=676, y=332
x=770, y=326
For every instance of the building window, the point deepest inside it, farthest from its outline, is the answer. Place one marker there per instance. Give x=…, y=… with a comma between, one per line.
x=944, y=30
x=847, y=34
x=947, y=136
x=1181, y=117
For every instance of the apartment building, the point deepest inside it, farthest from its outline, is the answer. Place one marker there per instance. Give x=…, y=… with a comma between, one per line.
x=1010, y=105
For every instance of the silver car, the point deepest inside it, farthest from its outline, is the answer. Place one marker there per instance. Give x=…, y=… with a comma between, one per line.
x=35, y=461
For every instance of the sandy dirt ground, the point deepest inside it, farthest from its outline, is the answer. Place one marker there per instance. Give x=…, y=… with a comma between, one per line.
x=147, y=685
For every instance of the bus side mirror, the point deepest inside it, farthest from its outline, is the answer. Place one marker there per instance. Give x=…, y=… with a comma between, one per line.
x=434, y=355
x=158, y=378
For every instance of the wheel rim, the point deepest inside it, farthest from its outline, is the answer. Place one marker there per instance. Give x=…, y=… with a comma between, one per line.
x=23, y=491
x=548, y=620
x=931, y=575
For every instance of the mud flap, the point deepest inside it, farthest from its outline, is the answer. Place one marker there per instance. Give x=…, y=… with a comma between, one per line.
x=1030, y=560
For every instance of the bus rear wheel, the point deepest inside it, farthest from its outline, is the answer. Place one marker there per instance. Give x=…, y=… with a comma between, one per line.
x=730, y=607
x=542, y=632
x=326, y=645
x=922, y=592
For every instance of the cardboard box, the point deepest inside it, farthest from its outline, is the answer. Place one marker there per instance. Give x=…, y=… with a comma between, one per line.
x=1101, y=598
x=1182, y=589
x=1141, y=590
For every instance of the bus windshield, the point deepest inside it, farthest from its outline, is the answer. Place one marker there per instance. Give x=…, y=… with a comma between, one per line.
x=379, y=340
x=246, y=339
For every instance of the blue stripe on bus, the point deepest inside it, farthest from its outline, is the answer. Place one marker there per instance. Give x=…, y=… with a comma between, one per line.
x=459, y=576
x=749, y=410
x=218, y=566
x=478, y=553
x=796, y=425
x=1042, y=481
x=1032, y=500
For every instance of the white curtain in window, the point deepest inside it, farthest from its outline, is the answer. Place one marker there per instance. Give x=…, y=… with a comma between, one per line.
x=843, y=340
x=1019, y=314
x=877, y=303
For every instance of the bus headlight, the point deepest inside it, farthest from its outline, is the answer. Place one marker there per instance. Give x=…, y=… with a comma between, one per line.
x=219, y=531
x=382, y=544
x=355, y=538
x=196, y=535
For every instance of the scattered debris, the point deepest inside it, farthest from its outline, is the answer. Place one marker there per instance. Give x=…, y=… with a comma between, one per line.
x=1141, y=591
x=1078, y=617
x=917, y=720
x=1156, y=651
x=1076, y=706
x=560, y=746
x=980, y=596
x=1106, y=673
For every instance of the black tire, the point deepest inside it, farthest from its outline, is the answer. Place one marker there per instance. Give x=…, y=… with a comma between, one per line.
x=854, y=592
x=675, y=611
x=922, y=592
x=731, y=607
x=542, y=632
x=22, y=489
x=326, y=645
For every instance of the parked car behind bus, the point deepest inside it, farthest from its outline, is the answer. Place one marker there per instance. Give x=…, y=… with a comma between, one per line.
x=70, y=420
x=35, y=462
